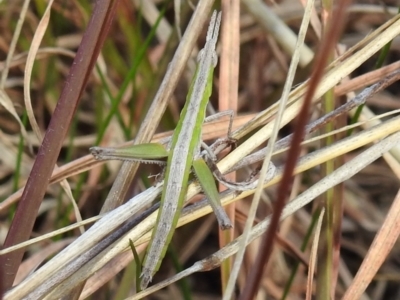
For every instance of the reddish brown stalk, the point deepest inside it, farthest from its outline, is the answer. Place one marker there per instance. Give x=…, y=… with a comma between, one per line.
x=228, y=100
x=43, y=166
x=266, y=245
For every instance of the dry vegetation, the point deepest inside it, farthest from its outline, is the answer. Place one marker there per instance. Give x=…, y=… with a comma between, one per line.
x=338, y=242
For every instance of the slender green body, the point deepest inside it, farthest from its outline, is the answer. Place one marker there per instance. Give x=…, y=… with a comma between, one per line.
x=183, y=154
x=184, y=146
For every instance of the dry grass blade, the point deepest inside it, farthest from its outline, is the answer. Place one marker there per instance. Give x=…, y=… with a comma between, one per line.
x=6, y=102
x=378, y=252
x=151, y=13
x=279, y=30
x=50, y=235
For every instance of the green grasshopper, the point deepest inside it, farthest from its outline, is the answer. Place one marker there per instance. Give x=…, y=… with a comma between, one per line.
x=182, y=157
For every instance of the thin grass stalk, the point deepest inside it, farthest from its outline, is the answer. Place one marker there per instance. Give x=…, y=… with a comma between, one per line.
x=327, y=201
x=228, y=91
